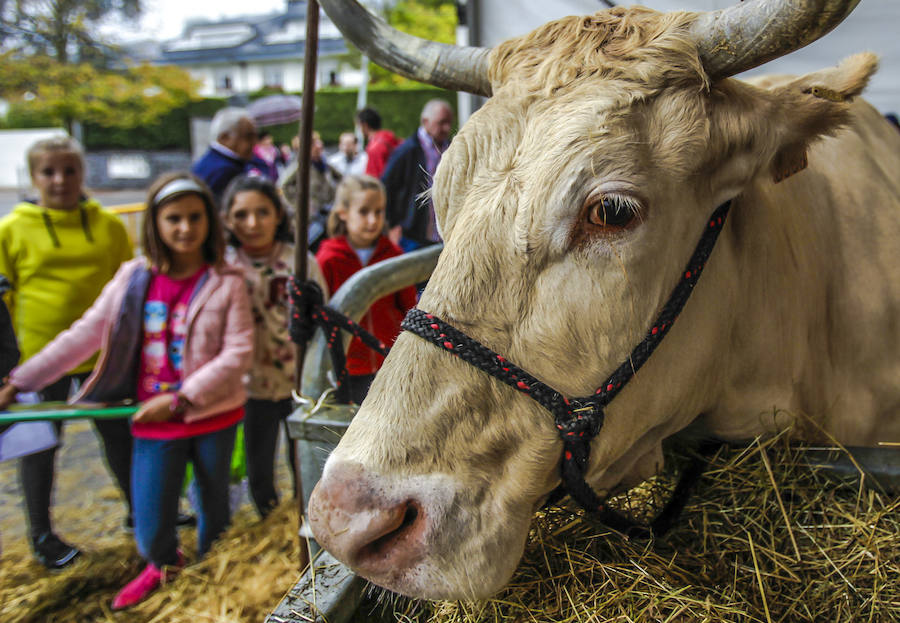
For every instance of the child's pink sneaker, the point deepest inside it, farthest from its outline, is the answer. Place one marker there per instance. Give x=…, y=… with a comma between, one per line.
x=145, y=583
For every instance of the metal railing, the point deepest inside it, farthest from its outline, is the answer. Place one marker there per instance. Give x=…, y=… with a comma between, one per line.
x=328, y=590
x=132, y=216
x=318, y=423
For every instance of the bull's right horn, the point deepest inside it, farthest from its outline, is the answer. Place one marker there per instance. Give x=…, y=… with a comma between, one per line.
x=458, y=68
x=746, y=35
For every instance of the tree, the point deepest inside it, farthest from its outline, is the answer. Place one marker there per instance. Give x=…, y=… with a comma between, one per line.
x=428, y=19
x=58, y=66
x=63, y=93
x=63, y=29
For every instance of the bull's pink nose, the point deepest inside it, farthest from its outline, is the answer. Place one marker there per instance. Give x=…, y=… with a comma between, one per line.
x=376, y=534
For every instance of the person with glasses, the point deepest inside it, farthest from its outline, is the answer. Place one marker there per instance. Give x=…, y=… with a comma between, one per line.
x=231, y=151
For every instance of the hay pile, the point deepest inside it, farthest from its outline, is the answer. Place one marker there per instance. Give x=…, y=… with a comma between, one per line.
x=764, y=538
x=242, y=579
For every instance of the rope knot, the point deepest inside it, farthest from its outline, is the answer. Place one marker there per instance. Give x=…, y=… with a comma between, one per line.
x=308, y=311
x=306, y=299
x=581, y=419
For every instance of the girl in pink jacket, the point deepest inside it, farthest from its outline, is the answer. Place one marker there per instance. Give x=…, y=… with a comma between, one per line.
x=174, y=333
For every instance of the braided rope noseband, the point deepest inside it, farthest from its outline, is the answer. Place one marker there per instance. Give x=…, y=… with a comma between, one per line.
x=578, y=420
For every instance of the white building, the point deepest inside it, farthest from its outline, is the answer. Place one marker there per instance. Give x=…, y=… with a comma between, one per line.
x=242, y=55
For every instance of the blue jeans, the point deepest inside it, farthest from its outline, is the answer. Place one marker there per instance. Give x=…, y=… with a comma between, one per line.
x=262, y=420
x=157, y=474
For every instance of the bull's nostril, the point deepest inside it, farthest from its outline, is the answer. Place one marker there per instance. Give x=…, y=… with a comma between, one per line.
x=395, y=541
x=412, y=512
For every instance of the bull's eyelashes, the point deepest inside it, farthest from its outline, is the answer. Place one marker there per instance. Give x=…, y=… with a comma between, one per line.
x=609, y=212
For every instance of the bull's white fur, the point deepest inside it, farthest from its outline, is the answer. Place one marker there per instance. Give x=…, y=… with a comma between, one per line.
x=796, y=309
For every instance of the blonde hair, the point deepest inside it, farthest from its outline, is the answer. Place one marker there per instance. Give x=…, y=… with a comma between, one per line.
x=349, y=186
x=64, y=144
x=295, y=142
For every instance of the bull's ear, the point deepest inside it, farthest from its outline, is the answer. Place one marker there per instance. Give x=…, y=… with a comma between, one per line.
x=816, y=105
x=765, y=127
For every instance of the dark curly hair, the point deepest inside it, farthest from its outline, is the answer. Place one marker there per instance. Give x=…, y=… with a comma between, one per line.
x=370, y=117
x=245, y=183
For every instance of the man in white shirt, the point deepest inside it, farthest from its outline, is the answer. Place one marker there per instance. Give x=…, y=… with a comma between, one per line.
x=348, y=160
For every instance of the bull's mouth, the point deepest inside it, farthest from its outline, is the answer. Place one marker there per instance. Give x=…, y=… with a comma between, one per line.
x=404, y=537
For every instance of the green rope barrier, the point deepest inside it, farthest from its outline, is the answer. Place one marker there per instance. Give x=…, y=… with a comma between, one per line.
x=43, y=411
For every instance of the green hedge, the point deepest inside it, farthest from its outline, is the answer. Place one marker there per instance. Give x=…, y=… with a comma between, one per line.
x=335, y=113
x=171, y=133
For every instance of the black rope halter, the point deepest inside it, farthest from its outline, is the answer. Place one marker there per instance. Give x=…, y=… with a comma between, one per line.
x=578, y=420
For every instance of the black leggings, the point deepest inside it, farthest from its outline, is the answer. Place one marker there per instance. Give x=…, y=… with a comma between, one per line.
x=36, y=470
x=262, y=421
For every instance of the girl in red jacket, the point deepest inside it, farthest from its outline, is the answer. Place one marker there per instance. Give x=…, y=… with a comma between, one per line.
x=357, y=239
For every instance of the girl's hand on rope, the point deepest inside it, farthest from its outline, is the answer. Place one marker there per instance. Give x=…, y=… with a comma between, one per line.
x=8, y=395
x=156, y=409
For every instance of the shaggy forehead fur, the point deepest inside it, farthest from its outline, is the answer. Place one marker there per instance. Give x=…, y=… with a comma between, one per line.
x=638, y=46
x=578, y=81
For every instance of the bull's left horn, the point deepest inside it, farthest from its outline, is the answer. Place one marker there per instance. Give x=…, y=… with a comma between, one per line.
x=744, y=36
x=458, y=68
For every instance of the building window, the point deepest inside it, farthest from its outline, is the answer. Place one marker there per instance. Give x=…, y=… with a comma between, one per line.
x=273, y=76
x=224, y=81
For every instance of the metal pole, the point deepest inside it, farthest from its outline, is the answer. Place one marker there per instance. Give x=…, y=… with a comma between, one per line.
x=302, y=207
x=362, y=96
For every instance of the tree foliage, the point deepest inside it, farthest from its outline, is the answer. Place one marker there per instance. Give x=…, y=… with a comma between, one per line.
x=135, y=96
x=428, y=19
x=63, y=29
x=58, y=66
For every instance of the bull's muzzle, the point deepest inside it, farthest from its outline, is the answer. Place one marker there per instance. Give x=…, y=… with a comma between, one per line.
x=380, y=536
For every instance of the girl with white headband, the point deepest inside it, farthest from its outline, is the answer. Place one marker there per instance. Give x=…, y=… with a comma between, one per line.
x=175, y=333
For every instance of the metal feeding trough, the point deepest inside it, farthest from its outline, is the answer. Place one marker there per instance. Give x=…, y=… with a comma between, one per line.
x=329, y=591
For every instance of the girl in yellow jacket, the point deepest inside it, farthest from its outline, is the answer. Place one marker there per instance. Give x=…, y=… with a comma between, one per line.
x=58, y=252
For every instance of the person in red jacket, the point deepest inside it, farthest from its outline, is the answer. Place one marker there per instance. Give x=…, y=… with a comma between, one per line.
x=356, y=229
x=380, y=144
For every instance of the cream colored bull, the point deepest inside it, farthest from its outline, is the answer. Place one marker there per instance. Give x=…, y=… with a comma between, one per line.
x=569, y=204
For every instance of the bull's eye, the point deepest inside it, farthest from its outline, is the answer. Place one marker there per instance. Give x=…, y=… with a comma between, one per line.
x=611, y=211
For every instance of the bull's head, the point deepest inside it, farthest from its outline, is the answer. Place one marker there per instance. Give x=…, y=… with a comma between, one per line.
x=568, y=204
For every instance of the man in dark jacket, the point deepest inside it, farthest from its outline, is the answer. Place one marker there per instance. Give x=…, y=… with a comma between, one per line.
x=230, y=152
x=410, y=172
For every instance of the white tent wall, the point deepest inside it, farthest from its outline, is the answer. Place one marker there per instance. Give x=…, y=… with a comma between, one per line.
x=873, y=26
x=13, y=146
